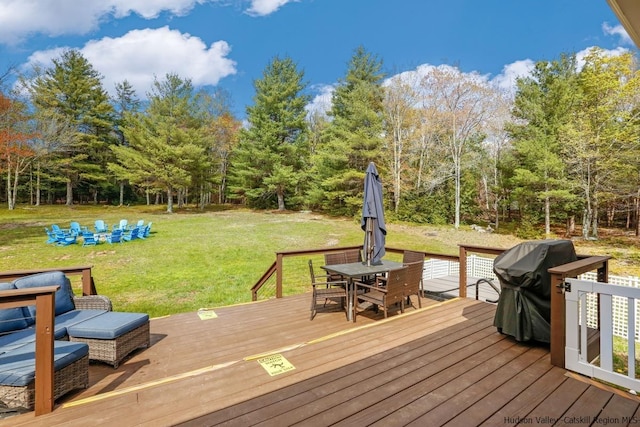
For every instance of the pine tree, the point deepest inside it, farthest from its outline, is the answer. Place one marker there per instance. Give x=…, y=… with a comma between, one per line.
x=165, y=142
x=71, y=91
x=353, y=139
x=269, y=163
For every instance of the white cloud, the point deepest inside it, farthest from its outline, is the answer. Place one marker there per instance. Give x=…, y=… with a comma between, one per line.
x=506, y=81
x=605, y=52
x=22, y=18
x=321, y=103
x=266, y=7
x=140, y=55
x=619, y=31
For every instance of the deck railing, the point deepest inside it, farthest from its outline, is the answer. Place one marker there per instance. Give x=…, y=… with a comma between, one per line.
x=88, y=285
x=44, y=299
x=578, y=357
x=276, y=270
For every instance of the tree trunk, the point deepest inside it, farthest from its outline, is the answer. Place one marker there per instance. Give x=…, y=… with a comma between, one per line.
x=69, y=193
x=169, y=200
x=9, y=198
x=122, y=193
x=547, y=217
x=281, y=205
x=38, y=184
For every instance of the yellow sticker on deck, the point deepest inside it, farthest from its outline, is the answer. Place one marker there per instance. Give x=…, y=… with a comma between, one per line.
x=276, y=364
x=207, y=313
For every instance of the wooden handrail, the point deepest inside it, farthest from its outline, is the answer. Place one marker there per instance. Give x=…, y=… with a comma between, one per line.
x=44, y=298
x=281, y=255
x=464, y=251
x=558, y=315
x=88, y=285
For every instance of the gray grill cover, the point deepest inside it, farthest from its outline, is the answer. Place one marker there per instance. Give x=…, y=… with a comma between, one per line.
x=524, y=307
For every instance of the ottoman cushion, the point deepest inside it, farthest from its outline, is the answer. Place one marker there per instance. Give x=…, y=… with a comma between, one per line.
x=108, y=326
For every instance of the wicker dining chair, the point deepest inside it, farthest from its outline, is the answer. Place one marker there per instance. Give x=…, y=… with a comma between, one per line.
x=324, y=288
x=383, y=296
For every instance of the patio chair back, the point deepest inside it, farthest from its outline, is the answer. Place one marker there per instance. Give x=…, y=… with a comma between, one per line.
x=413, y=279
x=74, y=228
x=325, y=289
x=385, y=297
x=115, y=236
x=100, y=226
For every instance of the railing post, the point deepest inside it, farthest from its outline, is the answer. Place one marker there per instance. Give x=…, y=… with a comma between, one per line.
x=279, y=275
x=87, y=288
x=463, y=272
x=45, y=308
x=558, y=338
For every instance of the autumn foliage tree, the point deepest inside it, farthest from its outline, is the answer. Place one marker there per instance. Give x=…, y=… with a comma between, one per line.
x=15, y=152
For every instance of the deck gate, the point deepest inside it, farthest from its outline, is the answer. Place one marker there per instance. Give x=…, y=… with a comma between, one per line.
x=577, y=322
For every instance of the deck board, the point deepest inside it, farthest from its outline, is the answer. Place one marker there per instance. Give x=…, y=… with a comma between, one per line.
x=444, y=364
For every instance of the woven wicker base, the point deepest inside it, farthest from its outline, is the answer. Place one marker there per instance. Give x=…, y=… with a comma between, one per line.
x=114, y=351
x=71, y=377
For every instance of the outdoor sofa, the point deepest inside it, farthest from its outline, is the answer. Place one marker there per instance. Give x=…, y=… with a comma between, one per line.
x=85, y=328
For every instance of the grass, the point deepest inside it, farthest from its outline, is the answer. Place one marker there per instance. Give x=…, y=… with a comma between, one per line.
x=196, y=259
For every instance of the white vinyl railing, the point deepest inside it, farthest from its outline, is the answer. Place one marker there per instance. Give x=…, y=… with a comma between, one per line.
x=483, y=267
x=577, y=325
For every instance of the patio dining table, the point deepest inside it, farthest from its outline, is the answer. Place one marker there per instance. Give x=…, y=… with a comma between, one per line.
x=354, y=270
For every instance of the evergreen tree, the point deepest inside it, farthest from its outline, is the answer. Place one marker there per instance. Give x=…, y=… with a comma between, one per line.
x=165, y=142
x=353, y=139
x=71, y=91
x=126, y=103
x=544, y=106
x=269, y=162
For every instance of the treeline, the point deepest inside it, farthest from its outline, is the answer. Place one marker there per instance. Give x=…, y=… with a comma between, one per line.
x=451, y=147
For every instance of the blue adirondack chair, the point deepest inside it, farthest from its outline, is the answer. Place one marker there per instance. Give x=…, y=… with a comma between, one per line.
x=76, y=229
x=147, y=229
x=131, y=235
x=64, y=239
x=100, y=226
x=51, y=236
x=88, y=239
x=115, y=236
x=122, y=225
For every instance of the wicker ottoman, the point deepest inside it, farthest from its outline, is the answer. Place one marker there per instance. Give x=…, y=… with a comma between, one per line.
x=111, y=336
x=18, y=368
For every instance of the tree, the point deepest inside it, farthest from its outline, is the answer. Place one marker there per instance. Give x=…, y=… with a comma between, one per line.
x=544, y=105
x=15, y=153
x=271, y=156
x=463, y=103
x=401, y=129
x=353, y=138
x=126, y=103
x=221, y=138
x=605, y=130
x=165, y=142
x=71, y=91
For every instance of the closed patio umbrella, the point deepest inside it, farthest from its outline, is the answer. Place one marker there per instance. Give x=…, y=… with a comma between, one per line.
x=372, y=221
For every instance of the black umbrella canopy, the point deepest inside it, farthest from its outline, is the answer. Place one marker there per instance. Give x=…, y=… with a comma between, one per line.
x=373, y=217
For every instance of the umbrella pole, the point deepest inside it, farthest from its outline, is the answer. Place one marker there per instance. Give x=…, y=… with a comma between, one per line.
x=370, y=241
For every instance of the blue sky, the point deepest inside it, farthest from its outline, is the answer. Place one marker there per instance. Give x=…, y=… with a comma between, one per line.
x=229, y=42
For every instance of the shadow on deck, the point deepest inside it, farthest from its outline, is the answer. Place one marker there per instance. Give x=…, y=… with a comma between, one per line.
x=443, y=364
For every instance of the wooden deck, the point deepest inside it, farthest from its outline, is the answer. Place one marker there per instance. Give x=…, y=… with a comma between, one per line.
x=442, y=365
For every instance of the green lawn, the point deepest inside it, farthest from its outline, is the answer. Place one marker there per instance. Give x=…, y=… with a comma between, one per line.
x=193, y=259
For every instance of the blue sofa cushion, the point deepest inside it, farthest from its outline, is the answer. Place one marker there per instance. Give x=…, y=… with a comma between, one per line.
x=107, y=326
x=17, y=339
x=64, y=295
x=18, y=367
x=11, y=319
